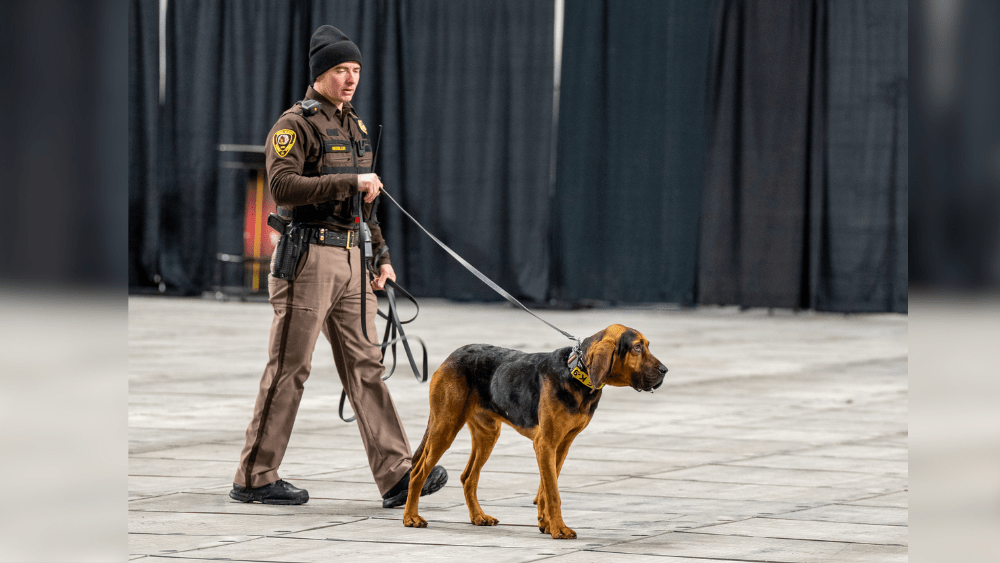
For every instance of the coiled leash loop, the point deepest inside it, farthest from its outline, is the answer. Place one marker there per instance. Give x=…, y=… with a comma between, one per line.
x=393, y=326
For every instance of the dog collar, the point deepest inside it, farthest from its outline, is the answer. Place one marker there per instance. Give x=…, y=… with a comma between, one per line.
x=576, y=368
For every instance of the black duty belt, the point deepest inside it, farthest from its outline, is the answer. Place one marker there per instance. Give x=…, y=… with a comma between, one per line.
x=326, y=237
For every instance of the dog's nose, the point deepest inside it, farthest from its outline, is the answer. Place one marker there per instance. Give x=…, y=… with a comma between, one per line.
x=659, y=380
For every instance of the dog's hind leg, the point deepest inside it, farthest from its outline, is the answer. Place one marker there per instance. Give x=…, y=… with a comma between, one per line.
x=448, y=400
x=485, y=430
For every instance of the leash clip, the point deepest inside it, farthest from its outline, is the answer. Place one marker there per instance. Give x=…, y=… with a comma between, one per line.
x=575, y=354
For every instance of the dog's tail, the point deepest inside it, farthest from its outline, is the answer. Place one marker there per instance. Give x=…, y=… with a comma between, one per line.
x=420, y=449
x=449, y=397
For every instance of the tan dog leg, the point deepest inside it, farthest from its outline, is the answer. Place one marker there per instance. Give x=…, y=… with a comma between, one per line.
x=549, y=509
x=561, y=453
x=485, y=431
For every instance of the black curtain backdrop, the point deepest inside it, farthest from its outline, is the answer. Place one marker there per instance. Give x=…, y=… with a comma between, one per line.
x=143, y=119
x=186, y=203
x=804, y=204
x=860, y=263
x=767, y=106
x=478, y=109
x=631, y=149
x=729, y=152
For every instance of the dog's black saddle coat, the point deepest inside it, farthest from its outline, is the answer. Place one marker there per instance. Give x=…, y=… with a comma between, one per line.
x=509, y=382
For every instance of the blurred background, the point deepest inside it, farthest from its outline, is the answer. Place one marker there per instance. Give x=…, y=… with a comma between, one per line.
x=954, y=272
x=743, y=152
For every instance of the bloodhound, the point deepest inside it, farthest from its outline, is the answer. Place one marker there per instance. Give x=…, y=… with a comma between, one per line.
x=548, y=398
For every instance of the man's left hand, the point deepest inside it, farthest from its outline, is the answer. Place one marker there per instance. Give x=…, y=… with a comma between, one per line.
x=386, y=272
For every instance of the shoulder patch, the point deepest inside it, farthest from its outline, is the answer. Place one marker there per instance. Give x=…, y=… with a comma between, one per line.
x=361, y=124
x=283, y=142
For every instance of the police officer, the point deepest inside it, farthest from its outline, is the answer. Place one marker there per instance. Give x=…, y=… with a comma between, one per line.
x=318, y=162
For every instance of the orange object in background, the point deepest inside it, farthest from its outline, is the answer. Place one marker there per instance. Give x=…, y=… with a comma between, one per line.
x=259, y=240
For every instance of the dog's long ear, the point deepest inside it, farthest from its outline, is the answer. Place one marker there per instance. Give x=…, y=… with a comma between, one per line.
x=601, y=353
x=599, y=359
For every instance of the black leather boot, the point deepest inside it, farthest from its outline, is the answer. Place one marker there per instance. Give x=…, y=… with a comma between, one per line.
x=397, y=495
x=278, y=492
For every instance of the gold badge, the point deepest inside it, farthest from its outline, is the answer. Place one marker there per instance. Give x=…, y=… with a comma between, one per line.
x=361, y=124
x=284, y=140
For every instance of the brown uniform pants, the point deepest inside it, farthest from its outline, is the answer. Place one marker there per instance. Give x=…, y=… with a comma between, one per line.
x=325, y=297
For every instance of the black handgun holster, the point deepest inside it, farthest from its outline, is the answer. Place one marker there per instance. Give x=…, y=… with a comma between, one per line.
x=288, y=252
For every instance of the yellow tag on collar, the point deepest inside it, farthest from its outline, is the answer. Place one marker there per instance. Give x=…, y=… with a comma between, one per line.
x=582, y=377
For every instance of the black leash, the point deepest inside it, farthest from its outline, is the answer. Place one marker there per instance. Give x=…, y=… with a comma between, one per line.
x=482, y=277
x=366, y=246
x=394, y=325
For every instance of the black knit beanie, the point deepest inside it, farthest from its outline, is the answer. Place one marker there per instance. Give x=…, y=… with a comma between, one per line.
x=328, y=48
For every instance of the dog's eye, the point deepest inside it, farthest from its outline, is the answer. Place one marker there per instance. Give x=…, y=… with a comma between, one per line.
x=637, y=348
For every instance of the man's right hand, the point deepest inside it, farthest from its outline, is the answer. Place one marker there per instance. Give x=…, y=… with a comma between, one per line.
x=370, y=184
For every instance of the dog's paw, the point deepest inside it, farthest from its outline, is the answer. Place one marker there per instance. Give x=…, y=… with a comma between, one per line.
x=414, y=521
x=563, y=533
x=557, y=529
x=543, y=526
x=485, y=520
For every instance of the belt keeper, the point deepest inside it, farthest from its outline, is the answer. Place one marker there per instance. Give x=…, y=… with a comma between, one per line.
x=348, y=247
x=322, y=235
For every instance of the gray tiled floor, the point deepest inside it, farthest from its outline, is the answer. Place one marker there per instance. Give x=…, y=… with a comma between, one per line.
x=775, y=438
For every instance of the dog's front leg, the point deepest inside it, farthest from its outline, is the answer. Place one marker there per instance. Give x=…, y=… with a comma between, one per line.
x=560, y=458
x=549, y=509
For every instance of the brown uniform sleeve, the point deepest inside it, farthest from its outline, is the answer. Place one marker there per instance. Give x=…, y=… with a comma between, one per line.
x=288, y=186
